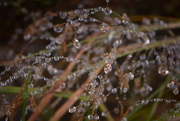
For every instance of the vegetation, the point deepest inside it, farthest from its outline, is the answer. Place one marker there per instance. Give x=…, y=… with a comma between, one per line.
x=91, y=64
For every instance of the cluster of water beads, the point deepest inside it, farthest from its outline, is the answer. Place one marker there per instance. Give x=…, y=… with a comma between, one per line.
x=97, y=85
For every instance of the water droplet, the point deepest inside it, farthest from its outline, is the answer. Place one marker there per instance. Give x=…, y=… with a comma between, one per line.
x=69, y=59
x=30, y=85
x=176, y=91
x=27, y=37
x=142, y=57
x=128, y=76
x=107, y=68
x=114, y=90
x=62, y=86
x=125, y=90
x=63, y=15
x=105, y=81
x=56, y=58
x=87, y=104
x=8, y=113
x=72, y=109
x=105, y=56
x=76, y=44
x=163, y=71
x=105, y=28
x=124, y=119
x=171, y=85
x=90, y=117
x=116, y=110
x=96, y=117
x=107, y=10
x=58, y=28
x=59, y=39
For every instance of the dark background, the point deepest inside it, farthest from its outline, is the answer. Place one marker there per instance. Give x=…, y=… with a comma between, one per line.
x=14, y=13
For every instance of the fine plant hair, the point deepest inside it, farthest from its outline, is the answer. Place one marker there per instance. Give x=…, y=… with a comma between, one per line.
x=93, y=64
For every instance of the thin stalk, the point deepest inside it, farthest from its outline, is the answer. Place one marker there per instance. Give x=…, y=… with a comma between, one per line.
x=151, y=96
x=25, y=93
x=153, y=109
x=103, y=108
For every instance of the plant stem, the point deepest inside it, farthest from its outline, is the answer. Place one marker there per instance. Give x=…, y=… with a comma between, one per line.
x=150, y=97
x=25, y=93
x=103, y=108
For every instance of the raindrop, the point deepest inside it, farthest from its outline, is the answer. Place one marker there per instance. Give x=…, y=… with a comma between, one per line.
x=8, y=113
x=47, y=59
x=69, y=59
x=27, y=37
x=59, y=39
x=63, y=15
x=107, y=10
x=105, y=81
x=129, y=76
x=63, y=86
x=105, y=55
x=163, y=71
x=107, y=68
x=124, y=119
x=87, y=104
x=72, y=109
x=176, y=91
x=171, y=85
x=142, y=57
x=96, y=117
x=114, y=90
x=103, y=114
x=56, y=58
x=90, y=117
x=30, y=85
x=58, y=28
x=105, y=28
x=125, y=90
x=76, y=44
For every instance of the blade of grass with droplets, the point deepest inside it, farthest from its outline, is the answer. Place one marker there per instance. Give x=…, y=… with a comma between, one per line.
x=26, y=93
x=130, y=115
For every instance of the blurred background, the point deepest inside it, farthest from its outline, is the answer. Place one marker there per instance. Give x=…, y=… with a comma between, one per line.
x=16, y=15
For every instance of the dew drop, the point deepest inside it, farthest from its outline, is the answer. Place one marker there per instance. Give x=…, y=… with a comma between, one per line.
x=171, y=85
x=63, y=15
x=105, y=28
x=124, y=119
x=105, y=55
x=107, y=10
x=27, y=37
x=129, y=76
x=69, y=59
x=72, y=109
x=105, y=81
x=58, y=28
x=163, y=71
x=30, y=85
x=125, y=90
x=90, y=117
x=76, y=44
x=87, y=104
x=142, y=57
x=114, y=90
x=107, y=68
x=176, y=91
x=96, y=117
x=8, y=113
x=59, y=39
x=56, y=58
